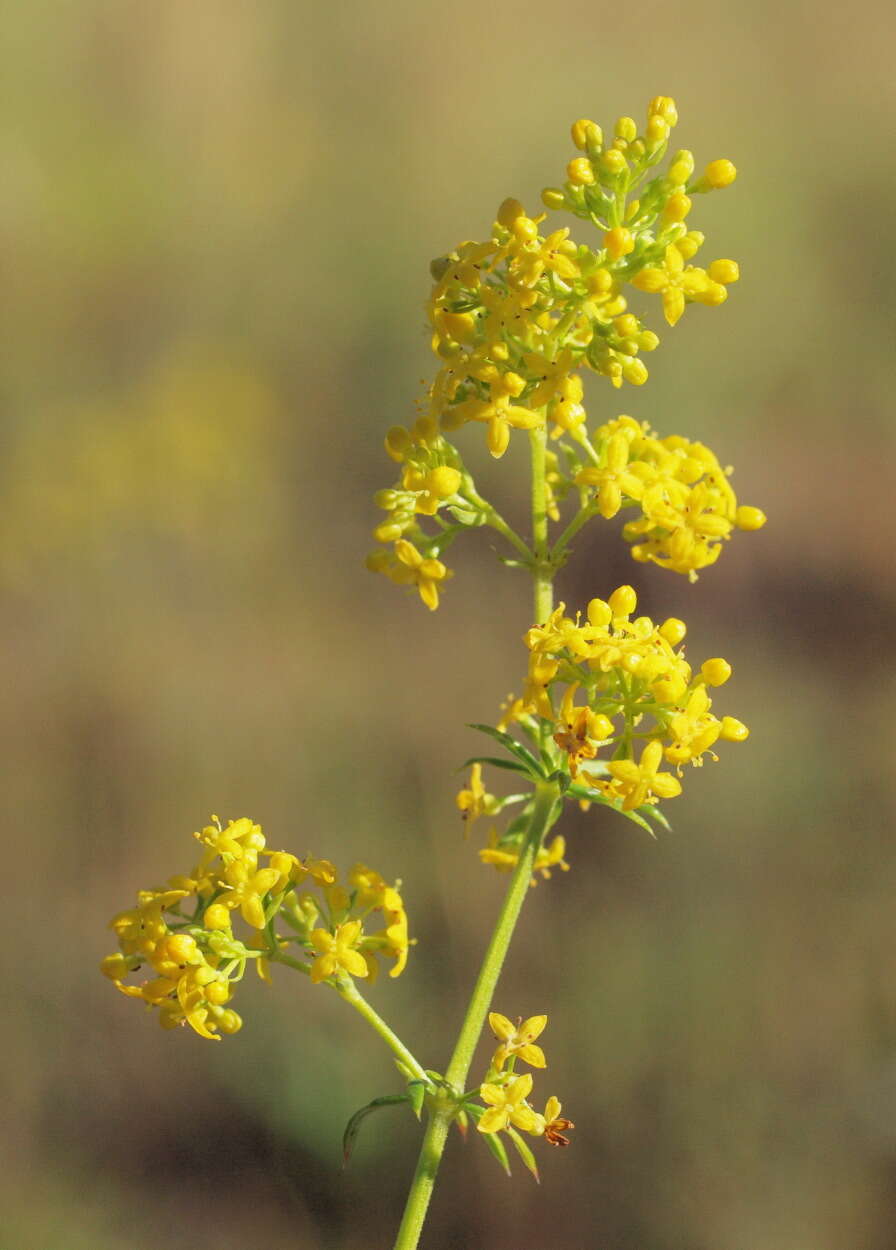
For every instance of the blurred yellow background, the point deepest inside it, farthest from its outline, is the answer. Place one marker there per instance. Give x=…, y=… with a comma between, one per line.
x=216, y=222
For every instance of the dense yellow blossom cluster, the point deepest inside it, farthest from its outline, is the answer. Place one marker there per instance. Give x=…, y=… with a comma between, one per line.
x=630, y=702
x=518, y=318
x=183, y=931
x=687, y=505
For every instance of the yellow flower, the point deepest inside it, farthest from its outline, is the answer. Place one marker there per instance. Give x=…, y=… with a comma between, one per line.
x=555, y=1125
x=678, y=284
x=475, y=801
x=614, y=481
x=505, y=858
x=517, y=1039
x=499, y=413
x=507, y=1105
x=584, y=731
x=637, y=784
x=337, y=952
x=426, y=574
x=246, y=890
x=693, y=730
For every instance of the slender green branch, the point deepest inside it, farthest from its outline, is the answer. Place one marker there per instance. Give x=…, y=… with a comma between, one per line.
x=494, y=519
x=582, y=517
x=349, y=991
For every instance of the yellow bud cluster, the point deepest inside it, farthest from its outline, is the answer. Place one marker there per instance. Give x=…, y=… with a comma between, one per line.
x=183, y=932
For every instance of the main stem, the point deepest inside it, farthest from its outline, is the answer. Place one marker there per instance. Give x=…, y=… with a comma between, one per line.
x=543, y=814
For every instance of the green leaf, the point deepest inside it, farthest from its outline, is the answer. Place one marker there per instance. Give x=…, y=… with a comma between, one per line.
x=492, y=1140
x=416, y=1095
x=496, y=762
x=354, y=1124
x=496, y=1146
x=524, y=1152
x=515, y=748
x=653, y=811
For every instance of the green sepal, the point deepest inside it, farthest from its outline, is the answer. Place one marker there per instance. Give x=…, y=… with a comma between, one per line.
x=462, y=1121
x=416, y=1096
x=511, y=765
x=524, y=1152
x=354, y=1124
x=515, y=748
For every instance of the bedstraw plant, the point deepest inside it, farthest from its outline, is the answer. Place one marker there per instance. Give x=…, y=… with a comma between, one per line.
x=610, y=711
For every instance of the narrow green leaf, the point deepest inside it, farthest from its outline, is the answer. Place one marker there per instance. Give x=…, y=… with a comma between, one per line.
x=524, y=1152
x=354, y=1124
x=514, y=747
x=653, y=811
x=495, y=761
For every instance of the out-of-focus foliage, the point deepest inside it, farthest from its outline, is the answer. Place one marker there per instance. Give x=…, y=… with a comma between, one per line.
x=217, y=222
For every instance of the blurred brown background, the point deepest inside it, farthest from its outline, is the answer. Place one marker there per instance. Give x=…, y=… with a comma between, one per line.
x=216, y=221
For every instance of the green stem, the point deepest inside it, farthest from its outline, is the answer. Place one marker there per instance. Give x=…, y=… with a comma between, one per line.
x=543, y=815
x=544, y=573
x=481, y=999
x=477, y=1010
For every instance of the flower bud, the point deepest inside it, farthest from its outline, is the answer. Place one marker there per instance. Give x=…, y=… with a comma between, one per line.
x=663, y=106
x=681, y=167
x=626, y=128
x=724, y=271
x=580, y=172
x=733, y=730
x=217, y=916
x=747, y=518
x=677, y=207
x=443, y=481
x=612, y=162
x=719, y=174
x=554, y=198
x=619, y=242
x=585, y=134
x=623, y=601
x=715, y=672
x=673, y=630
x=508, y=212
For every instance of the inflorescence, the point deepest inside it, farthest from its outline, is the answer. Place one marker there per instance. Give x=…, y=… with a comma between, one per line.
x=183, y=931
x=516, y=321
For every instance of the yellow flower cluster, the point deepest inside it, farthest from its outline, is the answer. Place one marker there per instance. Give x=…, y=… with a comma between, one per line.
x=507, y=1095
x=517, y=320
x=183, y=931
x=630, y=702
x=638, y=693
x=688, y=508
x=515, y=316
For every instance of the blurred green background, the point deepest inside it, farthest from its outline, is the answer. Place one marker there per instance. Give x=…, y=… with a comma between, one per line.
x=216, y=222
